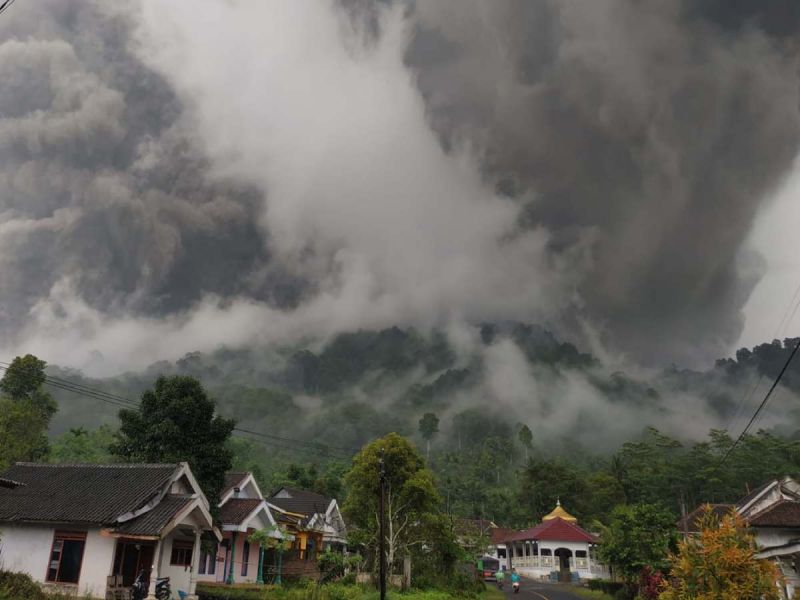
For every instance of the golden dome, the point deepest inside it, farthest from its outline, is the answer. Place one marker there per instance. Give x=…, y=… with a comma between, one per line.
x=559, y=513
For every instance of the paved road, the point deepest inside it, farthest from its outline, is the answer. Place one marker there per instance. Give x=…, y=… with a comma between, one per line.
x=530, y=590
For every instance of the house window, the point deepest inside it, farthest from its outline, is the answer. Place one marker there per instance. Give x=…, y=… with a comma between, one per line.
x=501, y=553
x=66, y=557
x=547, y=552
x=245, y=557
x=181, y=554
x=208, y=560
x=580, y=553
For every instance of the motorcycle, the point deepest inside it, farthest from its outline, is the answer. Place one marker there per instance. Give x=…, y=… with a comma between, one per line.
x=142, y=585
x=163, y=591
x=515, y=585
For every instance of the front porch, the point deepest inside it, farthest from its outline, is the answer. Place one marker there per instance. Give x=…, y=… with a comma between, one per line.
x=537, y=560
x=162, y=543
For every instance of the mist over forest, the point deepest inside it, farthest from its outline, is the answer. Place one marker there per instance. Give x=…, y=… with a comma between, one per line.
x=532, y=237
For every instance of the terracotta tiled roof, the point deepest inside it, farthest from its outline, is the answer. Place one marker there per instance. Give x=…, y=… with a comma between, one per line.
x=554, y=530
x=236, y=510
x=79, y=493
x=691, y=522
x=499, y=535
x=784, y=513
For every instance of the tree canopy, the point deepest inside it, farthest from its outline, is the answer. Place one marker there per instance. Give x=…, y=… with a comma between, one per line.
x=638, y=536
x=26, y=410
x=176, y=421
x=411, y=498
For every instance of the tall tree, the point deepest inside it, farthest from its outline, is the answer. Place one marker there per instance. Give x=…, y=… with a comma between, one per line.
x=639, y=536
x=721, y=564
x=428, y=427
x=526, y=438
x=26, y=410
x=176, y=422
x=411, y=497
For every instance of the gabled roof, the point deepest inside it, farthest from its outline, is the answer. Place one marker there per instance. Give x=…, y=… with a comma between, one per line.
x=153, y=522
x=784, y=513
x=236, y=510
x=81, y=493
x=300, y=501
x=557, y=530
x=691, y=522
x=743, y=503
x=233, y=479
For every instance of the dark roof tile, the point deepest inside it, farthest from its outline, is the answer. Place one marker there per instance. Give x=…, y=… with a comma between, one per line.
x=80, y=493
x=301, y=502
x=785, y=513
x=232, y=479
x=154, y=521
x=236, y=510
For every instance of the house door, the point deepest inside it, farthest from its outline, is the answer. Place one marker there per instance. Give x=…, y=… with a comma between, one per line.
x=131, y=558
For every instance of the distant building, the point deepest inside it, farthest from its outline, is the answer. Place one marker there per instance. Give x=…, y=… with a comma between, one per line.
x=773, y=513
x=315, y=523
x=555, y=548
x=242, y=510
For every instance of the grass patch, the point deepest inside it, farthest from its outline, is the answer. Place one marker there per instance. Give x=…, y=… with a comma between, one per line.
x=587, y=593
x=331, y=591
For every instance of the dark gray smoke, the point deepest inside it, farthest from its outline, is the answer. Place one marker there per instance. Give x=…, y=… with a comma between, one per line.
x=102, y=185
x=157, y=164
x=652, y=130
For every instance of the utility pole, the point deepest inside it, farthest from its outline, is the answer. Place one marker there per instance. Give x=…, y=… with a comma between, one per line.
x=382, y=519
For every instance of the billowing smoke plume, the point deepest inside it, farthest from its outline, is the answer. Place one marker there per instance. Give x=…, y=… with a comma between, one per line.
x=174, y=178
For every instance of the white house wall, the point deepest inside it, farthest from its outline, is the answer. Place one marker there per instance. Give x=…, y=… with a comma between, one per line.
x=26, y=549
x=180, y=578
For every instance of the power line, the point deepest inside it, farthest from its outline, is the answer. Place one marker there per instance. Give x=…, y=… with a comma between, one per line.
x=762, y=405
x=4, y=5
x=786, y=320
x=264, y=438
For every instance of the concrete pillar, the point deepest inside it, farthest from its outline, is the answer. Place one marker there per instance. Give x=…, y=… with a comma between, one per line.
x=230, y=579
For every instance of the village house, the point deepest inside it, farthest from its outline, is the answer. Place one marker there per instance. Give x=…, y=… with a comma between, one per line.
x=242, y=511
x=772, y=511
x=90, y=529
x=556, y=547
x=315, y=523
x=489, y=535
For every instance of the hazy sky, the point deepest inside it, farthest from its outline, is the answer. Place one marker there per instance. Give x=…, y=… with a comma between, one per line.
x=173, y=178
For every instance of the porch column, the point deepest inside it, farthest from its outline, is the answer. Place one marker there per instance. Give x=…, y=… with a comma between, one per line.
x=195, y=562
x=229, y=580
x=260, y=577
x=155, y=570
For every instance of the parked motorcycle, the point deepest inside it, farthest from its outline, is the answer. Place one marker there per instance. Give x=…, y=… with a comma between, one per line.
x=163, y=591
x=140, y=587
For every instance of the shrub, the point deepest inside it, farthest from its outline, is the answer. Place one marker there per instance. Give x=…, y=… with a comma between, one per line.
x=605, y=586
x=17, y=586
